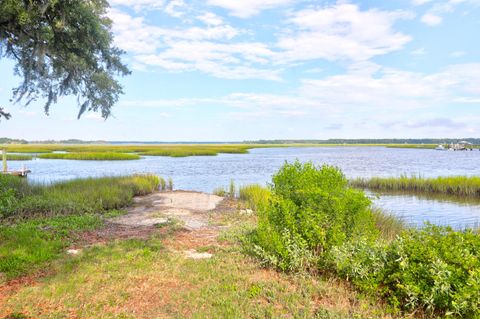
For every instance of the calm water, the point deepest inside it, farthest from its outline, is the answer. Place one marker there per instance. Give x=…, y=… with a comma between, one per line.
x=207, y=173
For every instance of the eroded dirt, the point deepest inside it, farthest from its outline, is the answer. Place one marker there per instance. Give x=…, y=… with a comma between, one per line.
x=188, y=208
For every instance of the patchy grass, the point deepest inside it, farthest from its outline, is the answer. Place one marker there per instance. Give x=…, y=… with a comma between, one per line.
x=91, y=156
x=468, y=186
x=145, y=279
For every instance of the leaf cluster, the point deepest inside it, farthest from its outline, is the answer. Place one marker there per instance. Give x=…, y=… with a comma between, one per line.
x=62, y=47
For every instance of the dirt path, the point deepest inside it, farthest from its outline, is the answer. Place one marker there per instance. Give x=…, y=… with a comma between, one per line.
x=189, y=208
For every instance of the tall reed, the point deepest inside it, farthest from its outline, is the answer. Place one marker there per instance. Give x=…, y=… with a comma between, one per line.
x=468, y=186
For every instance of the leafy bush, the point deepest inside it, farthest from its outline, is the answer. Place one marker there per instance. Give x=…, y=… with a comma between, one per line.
x=311, y=210
x=435, y=269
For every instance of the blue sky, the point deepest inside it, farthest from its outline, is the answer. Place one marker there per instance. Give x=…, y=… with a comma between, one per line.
x=230, y=70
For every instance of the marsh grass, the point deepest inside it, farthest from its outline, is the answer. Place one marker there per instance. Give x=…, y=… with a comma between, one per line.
x=90, y=156
x=468, y=186
x=388, y=225
x=256, y=196
x=19, y=157
x=175, y=150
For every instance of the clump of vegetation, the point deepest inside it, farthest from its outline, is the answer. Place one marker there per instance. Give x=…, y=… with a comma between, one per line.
x=311, y=210
x=435, y=269
x=451, y=185
x=220, y=191
x=91, y=156
x=170, y=184
x=315, y=221
x=17, y=157
x=38, y=221
x=389, y=225
x=232, y=189
x=256, y=196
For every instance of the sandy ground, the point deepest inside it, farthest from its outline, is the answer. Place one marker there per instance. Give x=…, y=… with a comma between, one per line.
x=158, y=208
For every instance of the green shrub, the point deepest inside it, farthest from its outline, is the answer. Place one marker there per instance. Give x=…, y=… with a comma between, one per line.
x=435, y=269
x=311, y=210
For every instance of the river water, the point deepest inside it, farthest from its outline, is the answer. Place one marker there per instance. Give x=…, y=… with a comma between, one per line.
x=205, y=173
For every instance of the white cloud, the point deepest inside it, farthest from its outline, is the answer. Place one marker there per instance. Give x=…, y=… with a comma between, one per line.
x=431, y=19
x=366, y=89
x=175, y=8
x=420, y=2
x=138, y=5
x=390, y=89
x=341, y=31
x=209, y=49
x=247, y=8
x=210, y=18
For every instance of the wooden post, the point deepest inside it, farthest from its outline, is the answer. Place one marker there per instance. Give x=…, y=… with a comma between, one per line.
x=4, y=155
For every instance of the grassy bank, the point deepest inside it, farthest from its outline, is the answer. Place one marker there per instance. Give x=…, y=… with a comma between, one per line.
x=452, y=185
x=38, y=222
x=91, y=156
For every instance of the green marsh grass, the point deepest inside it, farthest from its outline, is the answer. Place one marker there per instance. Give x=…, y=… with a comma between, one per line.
x=91, y=156
x=468, y=186
x=18, y=157
x=255, y=195
x=176, y=150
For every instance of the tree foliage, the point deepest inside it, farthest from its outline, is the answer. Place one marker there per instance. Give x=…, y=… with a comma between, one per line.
x=62, y=47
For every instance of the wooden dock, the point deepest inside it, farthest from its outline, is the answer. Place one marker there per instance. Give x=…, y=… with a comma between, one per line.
x=21, y=173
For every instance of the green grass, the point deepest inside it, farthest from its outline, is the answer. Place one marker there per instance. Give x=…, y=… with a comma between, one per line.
x=144, y=279
x=17, y=157
x=27, y=246
x=91, y=156
x=38, y=221
x=255, y=195
x=452, y=185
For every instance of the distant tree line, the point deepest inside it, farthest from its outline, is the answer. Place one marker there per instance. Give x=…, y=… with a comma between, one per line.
x=370, y=141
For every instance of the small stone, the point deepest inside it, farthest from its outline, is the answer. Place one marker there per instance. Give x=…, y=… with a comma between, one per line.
x=73, y=251
x=193, y=254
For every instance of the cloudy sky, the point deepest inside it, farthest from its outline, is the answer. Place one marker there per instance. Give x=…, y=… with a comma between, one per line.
x=231, y=70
